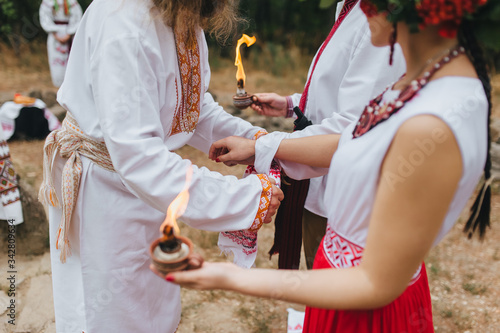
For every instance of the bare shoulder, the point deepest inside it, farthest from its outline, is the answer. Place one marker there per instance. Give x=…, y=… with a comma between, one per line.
x=423, y=151
x=429, y=143
x=425, y=126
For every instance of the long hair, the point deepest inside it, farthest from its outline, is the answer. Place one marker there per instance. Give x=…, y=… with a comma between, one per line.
x=480, y=210
x=219, y=17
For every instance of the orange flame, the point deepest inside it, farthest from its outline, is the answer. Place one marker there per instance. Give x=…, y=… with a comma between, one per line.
x=178, y=206
x=240, y=74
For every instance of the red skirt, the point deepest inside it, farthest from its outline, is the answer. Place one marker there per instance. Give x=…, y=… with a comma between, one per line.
x=411, y=312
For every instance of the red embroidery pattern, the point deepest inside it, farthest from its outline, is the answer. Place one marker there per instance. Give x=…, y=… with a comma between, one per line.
x=187, y=114
x=246, y=238
x=274, y=172
x=9, y=191
x=265, y=200
x=297, y=328
x=346, y=9
x=341, y=252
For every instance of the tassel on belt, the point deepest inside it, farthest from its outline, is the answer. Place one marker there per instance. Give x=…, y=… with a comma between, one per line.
x=71, y=143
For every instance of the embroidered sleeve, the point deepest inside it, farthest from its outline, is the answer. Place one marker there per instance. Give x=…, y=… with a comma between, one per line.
x=264, y=202
x=260, y=133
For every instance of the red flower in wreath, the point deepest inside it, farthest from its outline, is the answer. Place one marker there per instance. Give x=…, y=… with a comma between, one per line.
x=368, y=8
x=447, y=14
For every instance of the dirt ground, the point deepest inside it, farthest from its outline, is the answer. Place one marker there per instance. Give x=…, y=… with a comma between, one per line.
x=463, y=274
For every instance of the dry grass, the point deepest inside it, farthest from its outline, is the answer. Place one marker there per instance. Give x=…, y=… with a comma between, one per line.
x=463, y=274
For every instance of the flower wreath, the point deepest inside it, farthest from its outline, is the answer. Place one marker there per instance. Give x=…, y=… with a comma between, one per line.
x=448, y=14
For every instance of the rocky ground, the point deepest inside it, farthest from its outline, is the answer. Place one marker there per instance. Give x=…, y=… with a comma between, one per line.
x=463, y=274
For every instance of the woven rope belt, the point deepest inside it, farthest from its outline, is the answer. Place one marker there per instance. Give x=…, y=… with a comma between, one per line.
x=71, y=143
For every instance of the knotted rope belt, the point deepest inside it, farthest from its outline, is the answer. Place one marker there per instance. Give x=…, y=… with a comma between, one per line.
x=71, y=143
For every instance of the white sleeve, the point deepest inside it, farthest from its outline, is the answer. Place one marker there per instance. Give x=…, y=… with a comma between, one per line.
x=47, y=20
x=129, y=115
x=265, y=149
x=74, y=19
x=364, y=79
x=296, y=99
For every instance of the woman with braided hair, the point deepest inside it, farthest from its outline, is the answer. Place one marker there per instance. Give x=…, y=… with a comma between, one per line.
x=398, y=178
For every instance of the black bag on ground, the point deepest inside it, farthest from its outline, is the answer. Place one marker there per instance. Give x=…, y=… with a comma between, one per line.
x=31, y=124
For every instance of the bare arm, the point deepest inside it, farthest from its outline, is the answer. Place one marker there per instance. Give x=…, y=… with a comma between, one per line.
x=407, y=216
x=316, y=151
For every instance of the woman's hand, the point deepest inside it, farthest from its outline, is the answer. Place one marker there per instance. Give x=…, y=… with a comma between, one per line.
x=233, y=150
x=269, y=104
x=63, y=39
x=209, y=276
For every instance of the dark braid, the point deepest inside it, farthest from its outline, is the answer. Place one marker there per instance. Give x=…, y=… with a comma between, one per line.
x=480, y=210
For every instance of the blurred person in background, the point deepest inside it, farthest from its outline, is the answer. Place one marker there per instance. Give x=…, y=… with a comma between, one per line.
x=60, y=20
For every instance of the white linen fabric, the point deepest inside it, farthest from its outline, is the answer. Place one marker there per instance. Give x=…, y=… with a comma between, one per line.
x=242, y=244
x=122, y=86
x=295, y=321
x=355, y=168
x=56, y=21
x=349, y=73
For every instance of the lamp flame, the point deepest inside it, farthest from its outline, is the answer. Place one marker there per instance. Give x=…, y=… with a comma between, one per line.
x=240, y=74
x=177, y=208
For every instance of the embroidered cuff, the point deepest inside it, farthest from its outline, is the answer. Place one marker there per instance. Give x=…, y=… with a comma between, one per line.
x=289, y=107
x=260, y=133
x=264, y=202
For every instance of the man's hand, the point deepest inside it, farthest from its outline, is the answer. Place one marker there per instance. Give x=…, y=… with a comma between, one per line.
x=269, y=104
x=276, y=199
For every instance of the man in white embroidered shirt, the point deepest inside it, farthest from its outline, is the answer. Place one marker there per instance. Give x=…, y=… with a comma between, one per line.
x=345, y=74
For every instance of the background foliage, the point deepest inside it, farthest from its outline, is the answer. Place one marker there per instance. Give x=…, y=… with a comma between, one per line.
x=284, y=22
x=278, y=24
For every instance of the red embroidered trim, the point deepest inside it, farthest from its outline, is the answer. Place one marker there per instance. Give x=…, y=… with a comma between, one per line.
x=346, y=9
x=246, y=238
x=9, y=191
x=342, y=253
x=187, y=114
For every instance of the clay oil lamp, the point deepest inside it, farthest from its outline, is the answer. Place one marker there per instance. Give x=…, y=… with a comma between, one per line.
x=242, y=100
x=172, y=252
